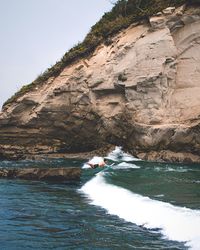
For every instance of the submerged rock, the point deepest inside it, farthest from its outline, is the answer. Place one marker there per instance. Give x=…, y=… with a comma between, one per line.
x=48, y=174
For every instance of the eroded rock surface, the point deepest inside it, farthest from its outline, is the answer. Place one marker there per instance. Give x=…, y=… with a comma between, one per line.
x=48, y=174
x=141, y=92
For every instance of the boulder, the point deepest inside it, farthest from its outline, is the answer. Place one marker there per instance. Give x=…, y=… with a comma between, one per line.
x=157, y=22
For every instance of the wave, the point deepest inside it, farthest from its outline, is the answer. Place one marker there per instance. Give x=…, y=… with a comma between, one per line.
x=175, y=223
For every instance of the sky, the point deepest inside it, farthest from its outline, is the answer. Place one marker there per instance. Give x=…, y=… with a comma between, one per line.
x=34, y=34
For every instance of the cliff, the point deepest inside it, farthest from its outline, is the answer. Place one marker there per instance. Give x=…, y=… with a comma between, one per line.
x=140, y=90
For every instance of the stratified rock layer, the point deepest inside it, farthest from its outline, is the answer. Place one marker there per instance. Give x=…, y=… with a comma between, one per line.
x=47, y=174
x=141, y=92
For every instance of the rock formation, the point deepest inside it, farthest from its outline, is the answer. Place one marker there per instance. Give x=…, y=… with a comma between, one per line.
x=142, y=91
x=47, y=174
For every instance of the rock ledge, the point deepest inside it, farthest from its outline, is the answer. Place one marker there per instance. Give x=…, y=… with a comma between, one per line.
x=48, y=174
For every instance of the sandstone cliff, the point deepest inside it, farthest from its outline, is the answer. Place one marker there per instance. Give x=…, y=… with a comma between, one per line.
x=142, y=91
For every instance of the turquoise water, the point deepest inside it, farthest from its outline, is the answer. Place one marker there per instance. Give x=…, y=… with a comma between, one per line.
x=132, y=205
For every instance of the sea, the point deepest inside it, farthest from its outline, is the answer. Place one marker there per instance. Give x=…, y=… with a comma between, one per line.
x=129, y=204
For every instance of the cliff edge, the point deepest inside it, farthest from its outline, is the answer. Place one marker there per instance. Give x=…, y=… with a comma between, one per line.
x=141, y=91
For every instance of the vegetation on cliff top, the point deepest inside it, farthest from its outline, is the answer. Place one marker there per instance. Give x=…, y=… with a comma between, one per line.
x=123, y=13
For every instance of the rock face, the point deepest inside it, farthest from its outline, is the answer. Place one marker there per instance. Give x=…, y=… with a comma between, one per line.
x=50, y=174
x=141, y=92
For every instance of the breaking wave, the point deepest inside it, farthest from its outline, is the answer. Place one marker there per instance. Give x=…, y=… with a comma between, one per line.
x=175, y=223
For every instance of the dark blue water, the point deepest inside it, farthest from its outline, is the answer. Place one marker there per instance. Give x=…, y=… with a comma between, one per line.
x=42, y=215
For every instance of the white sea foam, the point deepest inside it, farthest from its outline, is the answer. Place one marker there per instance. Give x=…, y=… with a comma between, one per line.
x=96, y=160
x=119, y=155
x=171, y=169
x=85, y=166
x=159, y=195
x=125, y=165
x=180, y=170
x=115, y=155
x=175, y=223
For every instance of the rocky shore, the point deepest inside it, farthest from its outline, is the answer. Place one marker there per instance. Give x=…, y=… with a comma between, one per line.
x=141, y=91
x=47, y=174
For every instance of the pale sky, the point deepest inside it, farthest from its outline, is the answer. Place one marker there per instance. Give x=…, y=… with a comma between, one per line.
x=34, y=34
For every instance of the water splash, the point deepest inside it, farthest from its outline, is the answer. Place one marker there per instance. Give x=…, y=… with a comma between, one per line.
x=119, y=155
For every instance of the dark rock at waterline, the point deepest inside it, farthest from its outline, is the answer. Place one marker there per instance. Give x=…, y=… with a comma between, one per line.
x=48, y=174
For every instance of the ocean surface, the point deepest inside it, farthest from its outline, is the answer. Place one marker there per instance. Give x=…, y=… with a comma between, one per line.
x=130, y=204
